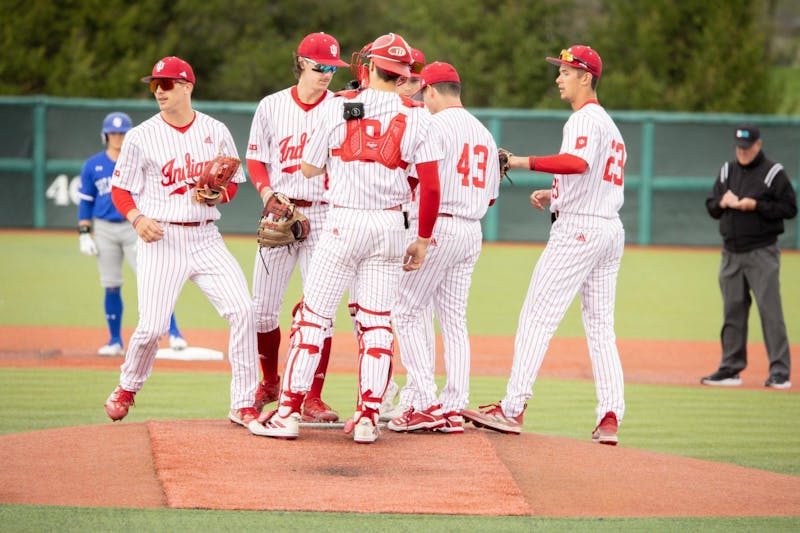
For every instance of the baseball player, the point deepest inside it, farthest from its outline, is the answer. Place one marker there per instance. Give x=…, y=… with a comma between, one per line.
x=160, y=162
x=366, y=139
x=470, y=181
x=278, y=136
x=389, y=409
x=582, y=255
x=114, y=239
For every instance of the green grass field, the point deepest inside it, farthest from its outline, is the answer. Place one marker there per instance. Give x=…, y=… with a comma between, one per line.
x=663, y=294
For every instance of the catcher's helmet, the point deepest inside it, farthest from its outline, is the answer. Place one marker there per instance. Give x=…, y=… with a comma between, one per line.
x=115, y=123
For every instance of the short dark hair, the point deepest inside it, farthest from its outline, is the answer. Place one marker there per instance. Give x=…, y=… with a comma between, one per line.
x=448, y=88
x=296, y=68
x=385, y=75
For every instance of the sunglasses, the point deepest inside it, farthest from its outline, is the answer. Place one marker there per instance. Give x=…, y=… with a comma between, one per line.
x=165, y=83
x=567, y=56
x=317, y=67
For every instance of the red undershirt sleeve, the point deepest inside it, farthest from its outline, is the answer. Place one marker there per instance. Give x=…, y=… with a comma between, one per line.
x=123, y=200
x=559, y=164
x=258, y=174
x=429, y=196
x=231, y=191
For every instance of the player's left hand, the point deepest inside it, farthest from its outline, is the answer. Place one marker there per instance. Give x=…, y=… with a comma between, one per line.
x=415, y=254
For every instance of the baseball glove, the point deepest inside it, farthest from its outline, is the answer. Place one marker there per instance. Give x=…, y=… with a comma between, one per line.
x=281, y=223
x=503, y=157
x=217, y=174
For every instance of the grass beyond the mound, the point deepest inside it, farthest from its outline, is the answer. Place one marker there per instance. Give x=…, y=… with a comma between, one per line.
x=662, y=294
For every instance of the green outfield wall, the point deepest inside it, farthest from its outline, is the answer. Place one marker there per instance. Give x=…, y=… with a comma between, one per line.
x=673, y=159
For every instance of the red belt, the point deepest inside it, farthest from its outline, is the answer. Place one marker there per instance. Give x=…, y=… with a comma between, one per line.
x=305, y=203
x=445, y=215
x=393, y=208
x=192, y=224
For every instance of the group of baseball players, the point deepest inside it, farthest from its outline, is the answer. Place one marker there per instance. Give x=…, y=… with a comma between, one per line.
x=394, y=176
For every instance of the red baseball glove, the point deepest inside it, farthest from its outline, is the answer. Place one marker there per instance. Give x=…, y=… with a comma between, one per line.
x=216, y=176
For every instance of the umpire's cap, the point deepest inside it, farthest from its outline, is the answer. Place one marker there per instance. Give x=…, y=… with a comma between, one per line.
x=746, y=135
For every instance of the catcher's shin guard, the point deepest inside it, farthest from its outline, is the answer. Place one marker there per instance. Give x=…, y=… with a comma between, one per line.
x=309, y=331
x=375, y=356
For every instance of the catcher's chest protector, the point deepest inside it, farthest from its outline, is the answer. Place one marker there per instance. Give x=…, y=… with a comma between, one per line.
x=359, y=145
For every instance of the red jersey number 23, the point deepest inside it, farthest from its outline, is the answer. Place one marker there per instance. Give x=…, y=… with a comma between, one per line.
x=615, y=165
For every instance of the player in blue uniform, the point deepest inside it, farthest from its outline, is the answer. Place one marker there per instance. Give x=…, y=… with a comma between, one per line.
x=114, y=238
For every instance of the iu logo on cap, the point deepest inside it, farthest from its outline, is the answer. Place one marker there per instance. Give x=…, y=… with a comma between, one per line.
x=333, y=50
x=160, y=66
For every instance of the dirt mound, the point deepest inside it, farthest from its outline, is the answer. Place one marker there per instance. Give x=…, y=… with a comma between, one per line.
x=213, y=464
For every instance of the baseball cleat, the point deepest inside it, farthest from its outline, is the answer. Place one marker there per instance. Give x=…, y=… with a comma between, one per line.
x=778, y=383
x=365, y=432
x=606, y=430
x=271, y=424
x=177, y=343
x=268, y=391
x=243, y=416
x=453, y=423
x=363, y=426
x=118, y=403
x=111, y=349
x=315, y=410
x=413, y=420
x=722, y=379
x=492, y=417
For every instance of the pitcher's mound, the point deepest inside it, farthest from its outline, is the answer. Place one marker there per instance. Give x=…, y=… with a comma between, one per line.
x=213, y=464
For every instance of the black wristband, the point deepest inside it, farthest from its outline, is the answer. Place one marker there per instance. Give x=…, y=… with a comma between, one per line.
x=84, y=229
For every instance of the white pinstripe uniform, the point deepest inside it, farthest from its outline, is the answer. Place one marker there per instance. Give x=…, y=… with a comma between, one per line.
x=362, y=244
x=582, y=256
x=409, y=390
x=469, y=179
x=160, y=164
x=278, y=137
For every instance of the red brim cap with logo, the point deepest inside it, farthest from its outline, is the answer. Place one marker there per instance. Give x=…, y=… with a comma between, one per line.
x=438, y=72
x=580, y=57
x=171, y=68
x=321, y=48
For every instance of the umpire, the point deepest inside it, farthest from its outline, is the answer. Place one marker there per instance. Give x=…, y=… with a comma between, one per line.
x=751, y=197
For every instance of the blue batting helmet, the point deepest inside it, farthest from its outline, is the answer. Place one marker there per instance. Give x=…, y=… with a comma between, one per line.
x=115, y=123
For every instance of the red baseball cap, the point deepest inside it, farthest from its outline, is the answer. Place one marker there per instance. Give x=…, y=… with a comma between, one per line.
x=321, y=48
x=418, y=64
x=438, y=72
x=171, y=68
x=579, y=56
x=391, y=53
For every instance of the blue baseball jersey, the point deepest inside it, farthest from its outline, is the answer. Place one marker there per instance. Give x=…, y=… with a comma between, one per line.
x=95, y=191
